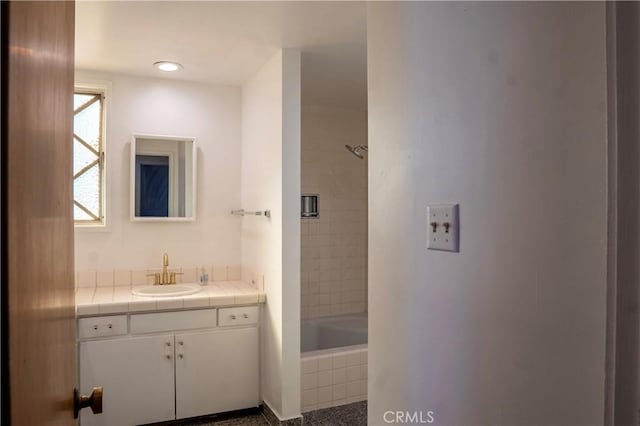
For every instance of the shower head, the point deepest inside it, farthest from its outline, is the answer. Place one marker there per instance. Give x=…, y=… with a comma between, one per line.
x=357, y=150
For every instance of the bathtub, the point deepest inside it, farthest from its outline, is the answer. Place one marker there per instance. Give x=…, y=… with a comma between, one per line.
x=333, y=332
x=333, y=361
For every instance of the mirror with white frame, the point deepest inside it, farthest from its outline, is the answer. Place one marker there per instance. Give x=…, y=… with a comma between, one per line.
x=163, y=178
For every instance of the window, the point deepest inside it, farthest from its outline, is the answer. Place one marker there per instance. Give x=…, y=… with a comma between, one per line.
x=88, y=157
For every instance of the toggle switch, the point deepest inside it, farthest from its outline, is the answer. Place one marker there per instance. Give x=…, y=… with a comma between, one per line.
x=443, y=232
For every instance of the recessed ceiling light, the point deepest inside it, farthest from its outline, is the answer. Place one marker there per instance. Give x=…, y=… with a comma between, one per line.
x=167, y=66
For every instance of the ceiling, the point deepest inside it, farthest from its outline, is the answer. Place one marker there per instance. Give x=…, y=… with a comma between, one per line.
x=227, y=42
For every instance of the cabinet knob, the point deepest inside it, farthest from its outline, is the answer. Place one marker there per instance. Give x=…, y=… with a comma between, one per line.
x=181, y=343
x=168, y=356
x=168, y=343
x=233, y=317
x=93, y=401
x=246, y=316
x=181, y=356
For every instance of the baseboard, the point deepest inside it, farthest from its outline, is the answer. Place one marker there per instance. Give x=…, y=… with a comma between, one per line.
x=274, y=420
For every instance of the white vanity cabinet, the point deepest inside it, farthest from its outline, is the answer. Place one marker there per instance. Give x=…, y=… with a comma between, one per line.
x=216, y=371
x=171, y=365
x=137, y=376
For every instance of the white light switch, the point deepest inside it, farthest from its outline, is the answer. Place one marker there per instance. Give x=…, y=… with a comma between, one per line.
x=443, y=227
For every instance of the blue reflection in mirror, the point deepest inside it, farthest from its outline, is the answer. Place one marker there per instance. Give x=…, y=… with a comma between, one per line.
x=152, y=186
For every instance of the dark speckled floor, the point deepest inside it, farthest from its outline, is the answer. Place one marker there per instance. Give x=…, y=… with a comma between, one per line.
x=249, y=417
x=346, y=415
x=247, y=420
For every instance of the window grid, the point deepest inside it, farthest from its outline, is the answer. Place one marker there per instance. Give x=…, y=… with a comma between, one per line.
x=88, y=214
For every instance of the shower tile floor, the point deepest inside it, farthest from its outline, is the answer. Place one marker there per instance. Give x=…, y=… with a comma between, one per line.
x=345, y=415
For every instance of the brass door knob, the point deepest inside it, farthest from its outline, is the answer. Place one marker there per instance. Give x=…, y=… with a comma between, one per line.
x=82, y=401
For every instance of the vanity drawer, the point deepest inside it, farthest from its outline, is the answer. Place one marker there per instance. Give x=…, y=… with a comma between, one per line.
x=242, y=315
x=173, y=321
x=89, y=328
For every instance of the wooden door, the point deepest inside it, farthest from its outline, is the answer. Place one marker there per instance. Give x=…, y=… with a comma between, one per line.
x=138, y=379
x=37, y=222
x=217, y=371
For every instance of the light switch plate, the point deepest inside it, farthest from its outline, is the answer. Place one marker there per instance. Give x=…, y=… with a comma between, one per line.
x=443, y=227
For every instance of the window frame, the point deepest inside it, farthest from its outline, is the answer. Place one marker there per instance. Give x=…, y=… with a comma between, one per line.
x=102, y=89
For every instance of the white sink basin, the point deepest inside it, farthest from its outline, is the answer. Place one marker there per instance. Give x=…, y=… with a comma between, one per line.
x=167, y=290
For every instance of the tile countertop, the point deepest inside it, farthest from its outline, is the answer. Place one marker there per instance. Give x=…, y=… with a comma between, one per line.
x=119, y=300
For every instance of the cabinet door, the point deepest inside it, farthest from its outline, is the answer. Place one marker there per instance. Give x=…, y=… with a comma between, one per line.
x=216, y=371
x=137, y=376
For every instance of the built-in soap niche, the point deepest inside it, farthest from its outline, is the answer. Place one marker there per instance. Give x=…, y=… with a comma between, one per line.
x=309, y=206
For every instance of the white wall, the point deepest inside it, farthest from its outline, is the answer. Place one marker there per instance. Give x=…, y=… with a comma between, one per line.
x=168, y=107
x=334, y=246
x=271, y=247
x=500, y=107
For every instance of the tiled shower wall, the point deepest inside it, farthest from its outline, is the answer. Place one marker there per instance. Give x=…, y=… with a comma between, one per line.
x=334, y=246
x=333, y=378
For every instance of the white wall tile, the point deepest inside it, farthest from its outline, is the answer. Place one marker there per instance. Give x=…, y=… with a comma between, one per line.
x=86, y=278
x=363, y=387
x=325, y=378
x=325, y=363
x=309, y=365
x=353, y=389
x=339, y=391
x=103, y=295
x=353, y=358
x=353, y=373
x=341, y=231
x=310, y=397
x=339, y=375
x=333, y=379
x=325, y=394
x=339, y=361
x=190, y=275
x=219, y=273
x=234, y=273
x=122, y=278
x=246, y=274
x=309, y=381
x=104, y=278
x=138, y=277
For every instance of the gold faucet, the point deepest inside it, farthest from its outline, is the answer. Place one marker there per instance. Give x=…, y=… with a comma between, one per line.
x=165, y=277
